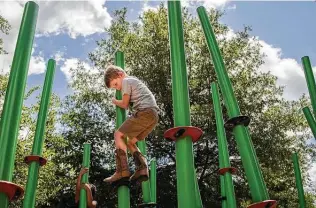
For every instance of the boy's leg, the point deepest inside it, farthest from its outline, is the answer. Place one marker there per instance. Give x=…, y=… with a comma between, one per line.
x=119, y=140
x=122, y=168
x=141, y=169
x=131, y=145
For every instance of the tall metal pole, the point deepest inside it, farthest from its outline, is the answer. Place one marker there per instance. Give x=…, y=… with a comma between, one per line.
x=11, y=114
x=298, y=180
x=29, y=199
x=153, y=180
x=248, y=156
x=224, y=162
x=184, y=150
x=145, y=184
x=123, y=190
x=309, y=76
x=84, y=179
x=310, y=81
x=310, y=120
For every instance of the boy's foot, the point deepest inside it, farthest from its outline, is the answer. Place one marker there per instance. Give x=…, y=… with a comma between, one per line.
x=141, y=171
x=117, y=176
x=122, y=170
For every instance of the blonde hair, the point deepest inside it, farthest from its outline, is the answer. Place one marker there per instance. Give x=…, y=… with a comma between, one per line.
x=112, y=72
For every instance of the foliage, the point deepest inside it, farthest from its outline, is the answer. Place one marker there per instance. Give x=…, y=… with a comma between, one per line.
x=4, y=28
x=277, y=126
x=54, y=175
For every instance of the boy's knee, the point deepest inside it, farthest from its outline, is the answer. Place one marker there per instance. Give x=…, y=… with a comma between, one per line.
x=118, y=135
x=132, y=142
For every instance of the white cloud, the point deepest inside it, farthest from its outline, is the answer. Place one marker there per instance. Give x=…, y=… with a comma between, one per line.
x=289, y=72
x=147, y=7
x=214, y=3
x=37, y=65
x=59, y=57
x=72, y=63
x=75, y=18
x=206, y=3
x=67, y=66
x=54, y=17
x=232, y=7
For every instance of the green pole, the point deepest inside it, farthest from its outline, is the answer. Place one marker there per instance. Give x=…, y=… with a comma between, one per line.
x=184, y=150
x=153, y=180
x=84, y=179
x=123, y=191
x=223, y=192
x=29, y=200
x=11, y=114
x=310, y=120
x=248, y=156
x=298, y=180
x=145, y=184
x=310, y=81
x=223, y=151
x=198, y=199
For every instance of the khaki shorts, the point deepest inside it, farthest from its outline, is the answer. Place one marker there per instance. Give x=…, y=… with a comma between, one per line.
x=140, y=125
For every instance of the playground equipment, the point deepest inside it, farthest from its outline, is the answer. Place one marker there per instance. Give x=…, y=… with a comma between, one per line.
x=237, y=123
x=183, y=133
x=298, y=180
x=309, y=76
x=226, y=171
x=11, y=114
x=35, y=160
x=84, y=179
x=149, y=186
x=123, y=184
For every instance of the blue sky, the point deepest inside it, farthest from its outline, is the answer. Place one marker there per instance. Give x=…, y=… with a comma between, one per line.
x=286, y=30
x=287, y=26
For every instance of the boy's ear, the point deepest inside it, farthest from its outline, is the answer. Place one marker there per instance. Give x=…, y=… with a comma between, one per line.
x=120, y=74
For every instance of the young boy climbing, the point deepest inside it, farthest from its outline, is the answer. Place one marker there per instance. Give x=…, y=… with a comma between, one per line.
x=143, y=120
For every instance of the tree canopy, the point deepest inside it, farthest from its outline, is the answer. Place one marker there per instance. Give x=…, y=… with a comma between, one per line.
x=277, y=125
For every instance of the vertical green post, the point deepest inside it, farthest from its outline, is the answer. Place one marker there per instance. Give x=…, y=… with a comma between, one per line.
x=309, y=76
x=84, y=179
x=123, y=191
x=257, y=185
x=184, y=150
x=223, y=151
x=11, y=114
x=29, y=199
x=310, y=81
x=223, y=191
x=310, y=120
x=298, y=180
x=153, y=180
x=145, y=184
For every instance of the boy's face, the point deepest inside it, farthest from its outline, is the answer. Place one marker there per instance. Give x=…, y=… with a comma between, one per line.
x=116, y=83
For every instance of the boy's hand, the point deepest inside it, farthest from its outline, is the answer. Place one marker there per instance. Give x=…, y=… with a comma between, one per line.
x=84, y=170
x=114, y=101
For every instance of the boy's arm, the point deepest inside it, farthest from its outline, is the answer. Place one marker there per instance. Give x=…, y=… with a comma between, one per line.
x=89, y=195
x=82, y=171
x=122, y=103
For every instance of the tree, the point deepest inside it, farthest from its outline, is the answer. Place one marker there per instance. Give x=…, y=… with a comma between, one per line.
x=4, y=28
x=277, y=126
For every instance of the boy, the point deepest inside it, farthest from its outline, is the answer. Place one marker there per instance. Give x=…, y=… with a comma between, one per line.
x=143, y=120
